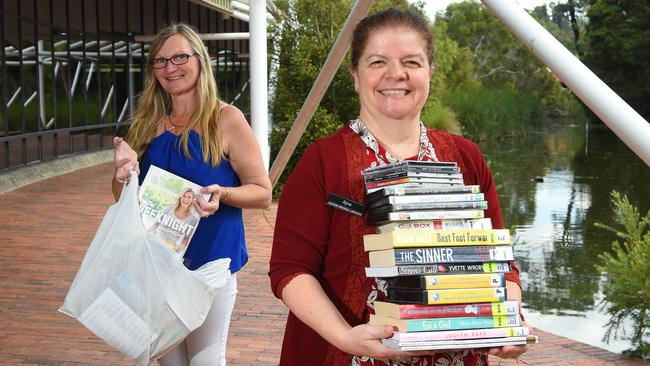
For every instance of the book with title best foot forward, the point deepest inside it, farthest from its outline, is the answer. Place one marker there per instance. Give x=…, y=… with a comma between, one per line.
x=167, y=208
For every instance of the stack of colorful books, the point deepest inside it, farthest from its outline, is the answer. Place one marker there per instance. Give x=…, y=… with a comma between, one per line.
x=441, y=261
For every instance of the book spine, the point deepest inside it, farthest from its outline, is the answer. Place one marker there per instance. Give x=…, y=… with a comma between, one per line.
x=461, y=334
x=428, y=325
x=436, y=198
x=409, y=165
x=431, y=238
x=368, y=175
x=427, y=269
x=484, y=223
x=388, y=176
x=455, y=205
x=419, y=191
x=450, y=254
x=415, y=311
x=425, y=215
x=454, y=296
x=449, y=282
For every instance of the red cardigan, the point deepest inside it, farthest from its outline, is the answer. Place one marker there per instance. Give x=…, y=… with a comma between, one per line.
x=311, y=237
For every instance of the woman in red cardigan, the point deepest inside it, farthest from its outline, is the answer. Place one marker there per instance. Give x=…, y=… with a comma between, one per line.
x=317, y=263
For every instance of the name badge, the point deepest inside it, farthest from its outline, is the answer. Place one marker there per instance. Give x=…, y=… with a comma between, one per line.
x=345, y=204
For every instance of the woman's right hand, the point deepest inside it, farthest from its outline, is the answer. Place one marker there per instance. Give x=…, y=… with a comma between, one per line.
x=126, y=159
x=364, y=340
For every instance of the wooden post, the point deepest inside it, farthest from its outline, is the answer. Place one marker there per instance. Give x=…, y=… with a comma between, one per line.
x=319, y=88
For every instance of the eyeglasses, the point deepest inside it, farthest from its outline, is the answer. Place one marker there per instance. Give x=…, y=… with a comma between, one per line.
x=181, y=58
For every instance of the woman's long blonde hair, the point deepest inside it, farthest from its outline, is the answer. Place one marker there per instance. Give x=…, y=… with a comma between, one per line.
x=155, y=102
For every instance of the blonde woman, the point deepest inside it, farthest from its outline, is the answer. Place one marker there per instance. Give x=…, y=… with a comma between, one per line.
x=181, y=126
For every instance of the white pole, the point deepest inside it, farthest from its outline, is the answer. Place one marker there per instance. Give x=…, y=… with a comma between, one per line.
x=607, y=105
x=259, y=82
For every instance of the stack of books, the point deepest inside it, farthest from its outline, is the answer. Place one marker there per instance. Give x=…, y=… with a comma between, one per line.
x=443, y=263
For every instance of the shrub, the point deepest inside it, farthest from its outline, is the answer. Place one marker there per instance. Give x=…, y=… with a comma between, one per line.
x=628, y=267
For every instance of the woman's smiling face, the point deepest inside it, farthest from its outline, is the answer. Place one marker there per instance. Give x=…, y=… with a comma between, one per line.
x=178, y=79
x=392, y=76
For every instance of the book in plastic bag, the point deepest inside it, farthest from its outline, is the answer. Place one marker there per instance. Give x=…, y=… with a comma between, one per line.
x=135, y=294
x=167, y=210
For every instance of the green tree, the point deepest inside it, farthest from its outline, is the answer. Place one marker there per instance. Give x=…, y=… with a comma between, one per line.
x=628, y=266
x=619, y=48
x=301, y=41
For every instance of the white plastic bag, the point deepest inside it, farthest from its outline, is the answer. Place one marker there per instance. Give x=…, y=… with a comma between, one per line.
x=135, y=294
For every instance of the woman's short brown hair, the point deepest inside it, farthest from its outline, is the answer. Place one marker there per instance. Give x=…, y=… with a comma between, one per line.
x=389, y=18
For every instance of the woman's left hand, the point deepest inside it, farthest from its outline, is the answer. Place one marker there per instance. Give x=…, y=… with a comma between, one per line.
x=208, y=208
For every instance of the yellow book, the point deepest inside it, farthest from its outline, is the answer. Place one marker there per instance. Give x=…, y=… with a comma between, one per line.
x=447, y=296
x=432, y=238
x=432, y=282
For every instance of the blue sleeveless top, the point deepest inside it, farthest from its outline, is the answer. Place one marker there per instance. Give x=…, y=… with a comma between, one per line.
x=220, y=235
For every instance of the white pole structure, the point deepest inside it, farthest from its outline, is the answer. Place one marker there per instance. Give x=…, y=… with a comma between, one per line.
x=323, y=80
x=630, y=127
x=259, y=80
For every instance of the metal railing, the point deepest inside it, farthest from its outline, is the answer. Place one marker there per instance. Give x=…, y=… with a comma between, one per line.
x=71, y=70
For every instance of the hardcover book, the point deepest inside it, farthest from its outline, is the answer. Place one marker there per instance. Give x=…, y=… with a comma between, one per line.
x=406, y=191
x=452, y=197
x=427, y=269
x=418, y=311
x=432, y=282
x=428, y=325
x=484, y=223
x=450, y=296
x=447, y=335
x=167, y=210
x=439, y=255
x=434, y=238
x=460, y=344
x=376, y=218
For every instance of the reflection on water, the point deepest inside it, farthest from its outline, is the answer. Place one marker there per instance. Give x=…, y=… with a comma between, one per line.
x=553, y=186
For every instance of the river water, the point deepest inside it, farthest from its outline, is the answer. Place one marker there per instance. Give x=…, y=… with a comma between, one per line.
x=553, y=185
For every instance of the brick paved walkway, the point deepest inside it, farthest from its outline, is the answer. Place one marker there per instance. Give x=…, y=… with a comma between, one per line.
x=45, y=228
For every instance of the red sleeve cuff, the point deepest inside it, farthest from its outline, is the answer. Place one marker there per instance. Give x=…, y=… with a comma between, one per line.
x=284, y=282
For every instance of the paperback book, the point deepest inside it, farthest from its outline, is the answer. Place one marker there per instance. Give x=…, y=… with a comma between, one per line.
x=460, y=344
x=432, y=282
x=428, y=269
x=455, y=205
x=418, y=311
x=484, y=223
x=428, y=325
x=167, y=210
x=438, y=255
x=405, y=337
x=381, y=217
x=434, y=238
x=452, y=197
x=449, y=296
x=408, y=191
